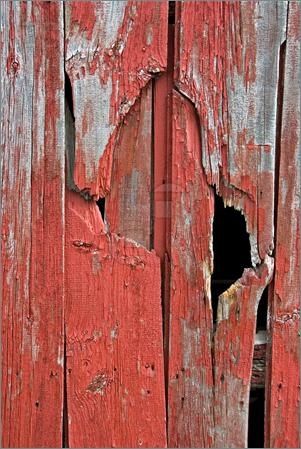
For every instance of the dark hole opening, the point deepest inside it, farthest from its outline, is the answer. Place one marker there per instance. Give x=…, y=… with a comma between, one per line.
x=101, y=203
x=256, y=418
x=231, y=249
x=171, y=12
x=262, y=312
x=69, y=95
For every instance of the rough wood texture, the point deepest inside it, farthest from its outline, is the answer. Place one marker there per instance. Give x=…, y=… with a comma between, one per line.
x=209, y=381
x=283, y=406
x=32, y=223
x=223, y=119
x=128, y=205
x=228, y=57
x=190, y=397
x=115, y=381
x=259, y=361
x=112, y=51
x=233, y=355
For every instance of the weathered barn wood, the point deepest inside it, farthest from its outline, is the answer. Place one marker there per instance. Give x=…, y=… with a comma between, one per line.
x=115, y=391
x=283, y=405
x=190, y=397
x=121, y=327
x=227, y=65
x=121, y=368
x=128, y=205
x=32, y=206
x=228, y=58
x=112, y=51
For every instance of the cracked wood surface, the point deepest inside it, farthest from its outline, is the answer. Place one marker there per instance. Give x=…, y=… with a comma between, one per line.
x=112, y=51
x=32, y=223
x=128, y=205
x=115, y=380
x=283, y=399
x=219, y=120
x=190, y=382
x=227, y=64
x=231, y=76
x=209, y=371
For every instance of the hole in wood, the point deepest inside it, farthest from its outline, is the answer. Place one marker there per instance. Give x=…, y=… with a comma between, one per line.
x=256, y=418
x=262, y=312
x=69, y=95
x=231, y=249
x=101, y=203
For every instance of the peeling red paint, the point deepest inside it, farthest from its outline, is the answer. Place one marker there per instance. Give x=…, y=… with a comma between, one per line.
x=89, y=310
x=33, y=204
x=130, y=297
x=283, y=379
x=118, y=60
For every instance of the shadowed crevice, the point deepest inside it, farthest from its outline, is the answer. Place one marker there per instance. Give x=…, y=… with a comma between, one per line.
x=231, y=249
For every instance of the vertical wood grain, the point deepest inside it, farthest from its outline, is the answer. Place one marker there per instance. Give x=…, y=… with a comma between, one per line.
x=227, y=62
x=283, y=402
x=128, y=206
x=190, y=381
x=112, y=51
x=115, y=380
x=32, y=223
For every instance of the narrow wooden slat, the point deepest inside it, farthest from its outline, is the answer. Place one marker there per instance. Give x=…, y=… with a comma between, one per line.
x=112, y=51
x=233, y=355
x=283, y=402
x=128, y=205
x=163, y=87
x=190, y=377
x=115, y=381
x=32, y=224
x=162, y=186
x=227, y=62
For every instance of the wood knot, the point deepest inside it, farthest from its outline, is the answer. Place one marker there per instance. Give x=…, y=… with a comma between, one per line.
x=99, y=383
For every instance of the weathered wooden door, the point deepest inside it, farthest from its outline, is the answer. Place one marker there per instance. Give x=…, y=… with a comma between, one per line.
x=150, y=223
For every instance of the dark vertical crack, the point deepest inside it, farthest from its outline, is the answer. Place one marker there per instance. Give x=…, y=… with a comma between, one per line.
x=280, y=88
x=69, y=95
x=256, y=419
x=262, y=312
x=69, y=134
x=65, y=432
x=171, y=12
x=152, y=169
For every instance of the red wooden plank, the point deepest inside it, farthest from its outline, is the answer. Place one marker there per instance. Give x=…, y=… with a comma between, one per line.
x=233, y=354
x=128, y=205
x=162, y=186
x=283, y=404
x=228, y=57
x=209, y=381
x=190, y=396
x=227, y=65
x=115, y=381
x=112, y=51
x=32, y=224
